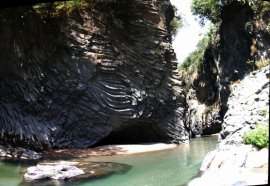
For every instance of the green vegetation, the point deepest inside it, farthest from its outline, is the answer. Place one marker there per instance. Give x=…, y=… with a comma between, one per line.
x=206, y=9
x=158, y=52
x=211, y=9
x=193, y=61
x=264, y=113
x=176, y=22
x=48, y=9
x=72, y=4
x=258, y=137
x=68, y=5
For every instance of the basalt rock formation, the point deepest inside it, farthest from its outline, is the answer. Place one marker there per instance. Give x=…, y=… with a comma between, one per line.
x=73, y=78
x=241, y=40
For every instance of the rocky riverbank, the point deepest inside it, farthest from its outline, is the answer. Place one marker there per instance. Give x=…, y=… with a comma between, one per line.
x=233, y=162
x=234, y=165
x=18, y=153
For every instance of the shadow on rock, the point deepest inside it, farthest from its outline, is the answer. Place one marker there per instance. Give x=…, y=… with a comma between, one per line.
x=67, y=154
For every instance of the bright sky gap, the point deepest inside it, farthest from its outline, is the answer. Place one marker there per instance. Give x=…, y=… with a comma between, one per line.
x=188, y=36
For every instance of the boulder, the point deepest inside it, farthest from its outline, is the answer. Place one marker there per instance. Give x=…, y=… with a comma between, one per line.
x=231, y=177
x=18, y=153
x=71, y=172
x=62, y=170
x=257, y=158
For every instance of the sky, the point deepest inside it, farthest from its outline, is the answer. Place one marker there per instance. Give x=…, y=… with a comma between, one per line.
x=188, y=36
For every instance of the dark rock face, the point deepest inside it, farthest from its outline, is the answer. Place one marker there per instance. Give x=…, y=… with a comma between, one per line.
x=70, y=80
x=225, y=61
x=234, y=49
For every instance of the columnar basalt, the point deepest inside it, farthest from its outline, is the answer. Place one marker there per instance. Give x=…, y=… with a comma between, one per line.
x=70, y=79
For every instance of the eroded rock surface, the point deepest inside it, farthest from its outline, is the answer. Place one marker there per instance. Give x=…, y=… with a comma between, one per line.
x=18, y=153
x=248, y=106
x=70, y=79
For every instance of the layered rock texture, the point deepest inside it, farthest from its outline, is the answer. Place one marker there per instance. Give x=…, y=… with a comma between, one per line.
x=73, y=78
x=240, y=42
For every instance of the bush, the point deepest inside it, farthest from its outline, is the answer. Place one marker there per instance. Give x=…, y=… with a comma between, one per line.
x=211, y=9
x=206, y=9
x=176, y=22
x=54, y=8
x=258, y=137
x=193, y=61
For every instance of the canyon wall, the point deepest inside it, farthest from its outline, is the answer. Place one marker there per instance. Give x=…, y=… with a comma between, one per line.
x=104, y=72
x=239, y=44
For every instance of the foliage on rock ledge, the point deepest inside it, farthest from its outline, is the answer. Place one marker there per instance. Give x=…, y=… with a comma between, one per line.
x=192, y=63
x=258, y=137
x=212, y=9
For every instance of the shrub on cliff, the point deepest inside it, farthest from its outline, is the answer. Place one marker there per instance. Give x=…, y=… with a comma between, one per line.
x=211, y=9
x=258, y=137
x=176, y=22
x=206, y=9
x=194, y=59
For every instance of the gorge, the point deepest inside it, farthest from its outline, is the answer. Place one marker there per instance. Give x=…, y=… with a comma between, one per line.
x=81, y=74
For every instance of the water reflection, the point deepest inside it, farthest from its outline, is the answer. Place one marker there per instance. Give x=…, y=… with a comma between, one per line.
x=161, y=168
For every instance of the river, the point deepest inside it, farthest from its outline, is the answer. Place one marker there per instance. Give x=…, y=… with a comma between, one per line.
x=173, y=167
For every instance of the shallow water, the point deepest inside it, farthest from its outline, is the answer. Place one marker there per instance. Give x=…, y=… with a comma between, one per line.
x=173, y=167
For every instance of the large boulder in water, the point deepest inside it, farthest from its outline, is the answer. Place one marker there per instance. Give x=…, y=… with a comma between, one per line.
x=49, y=173
x=58, y=171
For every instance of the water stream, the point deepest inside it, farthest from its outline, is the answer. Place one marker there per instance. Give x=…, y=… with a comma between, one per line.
x=173, y=167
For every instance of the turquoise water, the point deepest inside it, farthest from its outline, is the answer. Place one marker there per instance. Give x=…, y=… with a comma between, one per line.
x=173, y=167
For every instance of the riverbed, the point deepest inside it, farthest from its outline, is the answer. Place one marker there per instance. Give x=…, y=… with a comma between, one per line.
x=170, y=167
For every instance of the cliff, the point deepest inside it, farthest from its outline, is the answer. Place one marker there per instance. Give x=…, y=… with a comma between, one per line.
x=239, y=45
x=235, y=68
x=105, y=71
x=232, y=162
